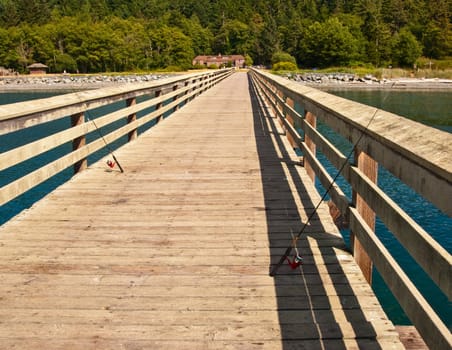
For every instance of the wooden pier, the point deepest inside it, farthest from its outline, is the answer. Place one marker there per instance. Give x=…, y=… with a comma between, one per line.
x=175, y=252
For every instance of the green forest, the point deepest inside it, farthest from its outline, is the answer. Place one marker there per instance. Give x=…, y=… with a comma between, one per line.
x=89, y=36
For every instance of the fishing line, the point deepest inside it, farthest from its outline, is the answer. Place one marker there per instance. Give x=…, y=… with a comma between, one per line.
x=109, y=162
x=333, y=181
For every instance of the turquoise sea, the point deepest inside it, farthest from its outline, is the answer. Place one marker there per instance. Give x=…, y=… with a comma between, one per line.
x=428, y=107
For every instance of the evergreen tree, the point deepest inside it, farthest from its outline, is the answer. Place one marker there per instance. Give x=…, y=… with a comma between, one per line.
x=405, y=49
x=328, y=43
x=9, y=13
x=437, y=36
x=95, y=35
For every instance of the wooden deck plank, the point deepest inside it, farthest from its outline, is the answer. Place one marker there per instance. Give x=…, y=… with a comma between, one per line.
x=223, y=332
x=411, y=338
x=168, y=280
x=63, y=344
x=157, y=317
x=175, y=251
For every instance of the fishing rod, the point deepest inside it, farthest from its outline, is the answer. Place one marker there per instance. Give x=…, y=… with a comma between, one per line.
x=298, y=260
x=109, y=162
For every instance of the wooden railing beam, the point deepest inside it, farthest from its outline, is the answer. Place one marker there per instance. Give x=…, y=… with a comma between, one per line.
x=27, y=114
x=420, y=157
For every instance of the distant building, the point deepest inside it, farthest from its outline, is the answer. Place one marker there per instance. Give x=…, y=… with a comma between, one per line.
x=37, y=68
x=237, y=61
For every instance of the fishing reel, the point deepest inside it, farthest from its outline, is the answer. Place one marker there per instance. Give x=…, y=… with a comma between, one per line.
x=296, y=262
x=111, y=163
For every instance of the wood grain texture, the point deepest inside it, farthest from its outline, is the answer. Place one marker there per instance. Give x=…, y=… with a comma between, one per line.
x=175, y=252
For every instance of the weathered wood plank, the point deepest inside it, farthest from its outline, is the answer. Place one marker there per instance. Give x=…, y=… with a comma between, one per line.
x=433, y=258
x=196, y=332
x=434, y=330
x=410, y=338
x=212, y=344
x=184, y=291
x=184, y=280
x=156, y=317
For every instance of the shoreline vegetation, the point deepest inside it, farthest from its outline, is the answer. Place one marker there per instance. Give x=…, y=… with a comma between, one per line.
x=94, y=37
x=320, y=80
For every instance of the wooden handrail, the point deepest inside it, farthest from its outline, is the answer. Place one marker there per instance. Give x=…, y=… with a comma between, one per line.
x=173, y=92
x=418, y=155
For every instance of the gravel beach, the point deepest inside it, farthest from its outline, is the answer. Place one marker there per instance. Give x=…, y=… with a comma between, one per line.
x=317, y=80
x=350, y=81
x=69, y=82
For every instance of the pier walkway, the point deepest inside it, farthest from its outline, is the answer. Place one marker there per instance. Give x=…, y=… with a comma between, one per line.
x=175, y=252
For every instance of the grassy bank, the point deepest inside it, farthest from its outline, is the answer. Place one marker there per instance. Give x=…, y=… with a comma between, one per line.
x=424, y=68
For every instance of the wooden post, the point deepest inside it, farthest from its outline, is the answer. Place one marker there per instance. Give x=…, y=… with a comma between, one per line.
x=175, y=87
x=201, y=86
x=279, y=107
x=196, y=81
x=187, y=91
x=194, y=88
x=206, y=80
x=370, y=168
x=311, y=119
x=274, y=103
x=289, y=119
x=79, y=142
x=158, y=106
x=131, y=118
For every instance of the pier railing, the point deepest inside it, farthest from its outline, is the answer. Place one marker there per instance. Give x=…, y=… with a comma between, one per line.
x=418, y=155
x=159, y=98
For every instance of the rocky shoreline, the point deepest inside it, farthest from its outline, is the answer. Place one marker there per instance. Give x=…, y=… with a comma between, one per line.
x=70, y=82
x=344, y=80
x=317, y=80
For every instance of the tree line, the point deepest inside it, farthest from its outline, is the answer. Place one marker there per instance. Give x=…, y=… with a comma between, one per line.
x=133, y=35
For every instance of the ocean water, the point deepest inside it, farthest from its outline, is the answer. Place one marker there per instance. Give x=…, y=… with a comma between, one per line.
x=19, y=138
x=431, y=108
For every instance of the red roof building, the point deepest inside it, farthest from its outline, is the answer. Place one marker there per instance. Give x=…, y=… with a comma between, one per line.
x=237, y=61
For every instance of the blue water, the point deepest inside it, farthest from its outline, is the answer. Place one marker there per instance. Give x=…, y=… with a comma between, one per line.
x=431, y=108
x=19, y=138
